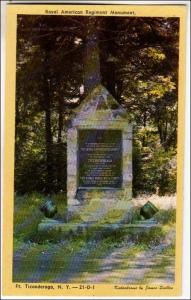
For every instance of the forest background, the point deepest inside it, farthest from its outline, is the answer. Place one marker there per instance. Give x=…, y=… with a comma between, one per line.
x=139, y=67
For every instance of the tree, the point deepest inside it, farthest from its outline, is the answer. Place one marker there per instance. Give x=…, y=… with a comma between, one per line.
x=52, y=89
x=138, y=65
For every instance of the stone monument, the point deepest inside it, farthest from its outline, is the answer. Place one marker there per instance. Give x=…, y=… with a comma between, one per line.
x=99, y=159
x=99, y=155
x=99, y=147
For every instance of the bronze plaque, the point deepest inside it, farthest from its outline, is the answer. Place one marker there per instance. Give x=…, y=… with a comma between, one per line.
x=100, y=158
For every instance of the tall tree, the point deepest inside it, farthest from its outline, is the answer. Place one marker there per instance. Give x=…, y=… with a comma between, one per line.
x=138, y=65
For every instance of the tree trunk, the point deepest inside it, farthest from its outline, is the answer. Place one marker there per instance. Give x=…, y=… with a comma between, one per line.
x=110, y=85
x=49, y=141
x=49, y=154
x=144, y=124
x=59, y=167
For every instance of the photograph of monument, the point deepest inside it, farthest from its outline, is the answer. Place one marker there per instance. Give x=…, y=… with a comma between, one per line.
x=95, y=169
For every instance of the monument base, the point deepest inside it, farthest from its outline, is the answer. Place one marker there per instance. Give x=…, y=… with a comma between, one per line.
x=94, y=229
x=100, y=208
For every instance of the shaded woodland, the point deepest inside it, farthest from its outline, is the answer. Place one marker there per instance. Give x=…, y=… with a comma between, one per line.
x=139, y=67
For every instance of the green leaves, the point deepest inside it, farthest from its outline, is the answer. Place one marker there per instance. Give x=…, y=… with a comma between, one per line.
x=157, y=87
x=139, y=67
x=154, y=167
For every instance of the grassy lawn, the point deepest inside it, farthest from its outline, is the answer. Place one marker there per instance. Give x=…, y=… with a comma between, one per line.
x=39, y=259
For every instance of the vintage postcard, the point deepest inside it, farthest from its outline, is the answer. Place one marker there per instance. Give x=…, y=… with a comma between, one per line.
x=94, y=143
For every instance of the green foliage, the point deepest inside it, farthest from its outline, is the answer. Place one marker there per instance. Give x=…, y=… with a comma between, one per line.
x=113, y=216
x=51, y=236
x=154, y=167
x=166, y=216
x=149, y=238
x=139, y=67
x=76, y=218
x=27, y=216
x=170, y=250
x=60, y=201
x=25, y=170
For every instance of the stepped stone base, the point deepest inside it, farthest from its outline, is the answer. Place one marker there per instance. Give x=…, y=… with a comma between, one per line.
x=94, y=228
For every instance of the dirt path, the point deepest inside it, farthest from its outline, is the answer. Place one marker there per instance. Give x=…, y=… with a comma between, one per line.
x=127, y=264
x=151, y=266
x=146, y=267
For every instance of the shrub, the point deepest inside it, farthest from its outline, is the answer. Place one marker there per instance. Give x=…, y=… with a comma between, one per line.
x=154, y=168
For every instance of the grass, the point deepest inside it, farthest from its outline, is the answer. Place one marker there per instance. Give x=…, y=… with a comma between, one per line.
x=62, y=259
x=162, y=202
x=113, y=216
x=159, y=271
x=102, y=250
x=166, y=216
x=18, y=243
x=29, y=262
x=27, y=214
x=62, y=253
x=149, y=238
x=170, y=250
